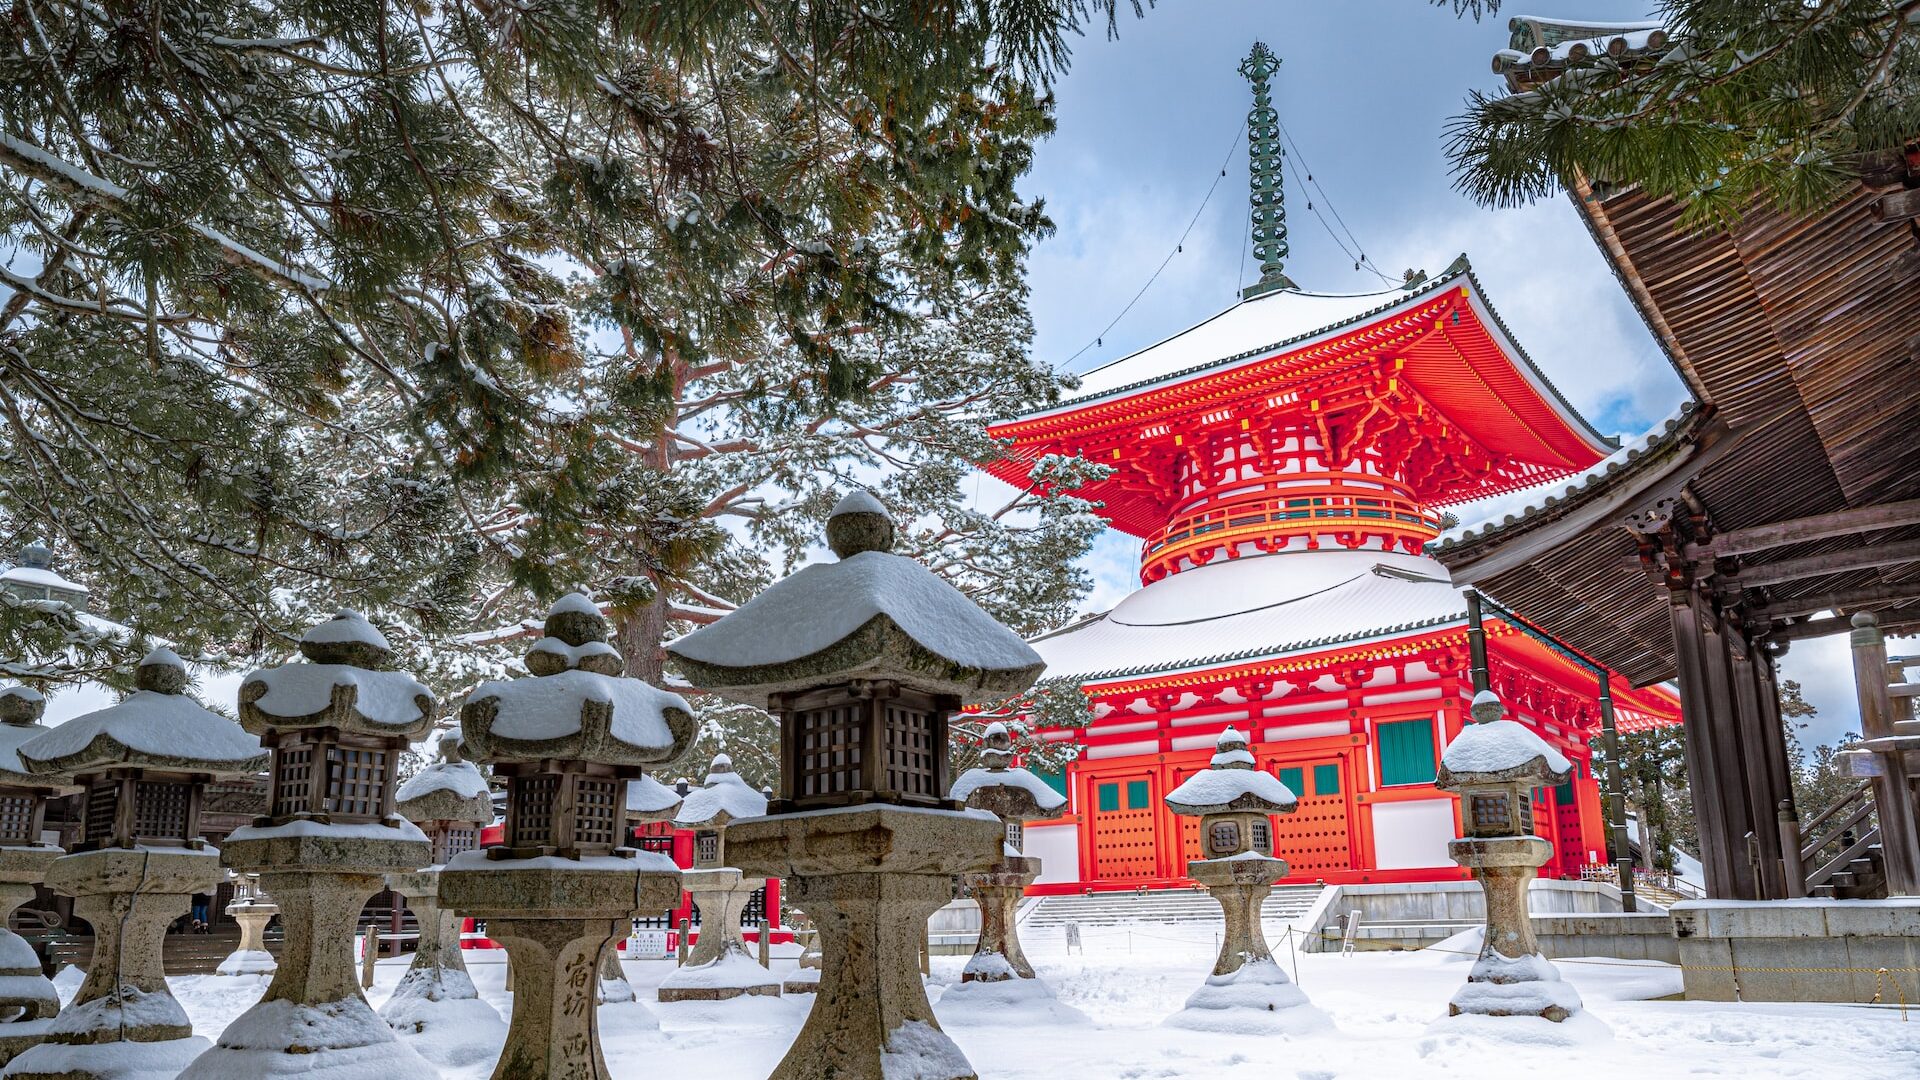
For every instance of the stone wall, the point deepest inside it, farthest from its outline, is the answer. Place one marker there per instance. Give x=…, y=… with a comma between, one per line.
x=1774, y=950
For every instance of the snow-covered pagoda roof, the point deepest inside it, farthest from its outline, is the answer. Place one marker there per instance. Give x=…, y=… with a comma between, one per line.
x=157, y=726
x=450, y=789
x=726, y=796
x=1498, y=751
x=1256, y=606
x=650, y=800
x=1448, y=352
x=20, y=710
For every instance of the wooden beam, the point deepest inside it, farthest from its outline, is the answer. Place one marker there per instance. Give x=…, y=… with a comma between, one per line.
x=1817, y=527
x=1838, y=562
x=1898, y=206
x=1844, y=600
x=1894, y=621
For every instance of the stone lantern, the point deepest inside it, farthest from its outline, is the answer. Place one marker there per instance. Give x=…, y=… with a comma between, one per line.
x=1494, y=765
x=862, y=661
x=142, y=766
x=1015, y=796
x=1233, y=800
x=336, y=721
x=451, y=802
x=253, y=909
x=27, y=999
x=720, y=965
x=564, y=885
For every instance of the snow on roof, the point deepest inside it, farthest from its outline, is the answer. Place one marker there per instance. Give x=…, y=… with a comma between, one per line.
x=824, y=603
x=459, y=777
x=576, y=602
x=147, y=722
x=1531, y=501
x=1252, y=325
x=347, y=625
x=649, y=796
x=974, y=779
x=12, y=738
x=1256, y=605
x=1214, y=790
x=303, y=689
x=548, y=707
x=573, y=653
x=858, y=501
x=726, y=792
x=1497, y=746
x=26, y=692
x=40, y=579
x=163, y=655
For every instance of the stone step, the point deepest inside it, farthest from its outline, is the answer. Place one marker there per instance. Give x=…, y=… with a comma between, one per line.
x=1161, y=906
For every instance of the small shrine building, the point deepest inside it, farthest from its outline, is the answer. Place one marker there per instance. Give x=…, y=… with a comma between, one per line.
x=1284, y=464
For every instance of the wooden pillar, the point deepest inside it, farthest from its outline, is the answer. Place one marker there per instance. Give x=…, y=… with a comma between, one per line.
x=1899, y=828
x=1756, y=750
x=1616, y=800
x=1728, y=736
x=1704, y=765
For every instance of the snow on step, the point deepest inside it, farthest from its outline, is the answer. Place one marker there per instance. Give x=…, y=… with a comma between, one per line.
x=1170, y=906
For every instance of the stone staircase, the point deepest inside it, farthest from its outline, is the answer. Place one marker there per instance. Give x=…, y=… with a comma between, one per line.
x=1164, y=906
x=1863, y=878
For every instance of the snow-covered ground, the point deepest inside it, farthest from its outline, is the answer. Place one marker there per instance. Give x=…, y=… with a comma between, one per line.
x=1130, y=979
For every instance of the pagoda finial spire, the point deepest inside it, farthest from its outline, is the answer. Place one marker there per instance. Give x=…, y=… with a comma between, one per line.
x=1265, y=161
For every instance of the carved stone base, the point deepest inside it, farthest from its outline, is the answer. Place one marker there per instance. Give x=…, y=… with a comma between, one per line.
x=555, y=921
x=252, y=957
x=1510, y=978
x=129, y=898
x=314, y=1005
x=436, y=997
x=998, y=955
x=720, y=966
x=870, y=877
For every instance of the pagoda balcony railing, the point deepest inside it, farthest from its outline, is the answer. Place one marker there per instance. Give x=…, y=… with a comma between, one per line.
x=1332, y=507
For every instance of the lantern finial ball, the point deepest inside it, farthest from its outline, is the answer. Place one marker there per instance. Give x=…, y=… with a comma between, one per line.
x=162, y=672
x=1487, y=707
x=859, y=523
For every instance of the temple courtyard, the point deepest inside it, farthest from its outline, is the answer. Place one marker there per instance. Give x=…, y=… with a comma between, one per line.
x=1382, y=1004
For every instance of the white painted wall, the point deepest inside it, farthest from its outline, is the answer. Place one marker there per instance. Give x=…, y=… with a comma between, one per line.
x=1412, y=835
x=1058, y=849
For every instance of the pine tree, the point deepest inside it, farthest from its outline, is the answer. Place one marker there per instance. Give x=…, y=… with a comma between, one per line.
x=440, y=310
x=1785, y=102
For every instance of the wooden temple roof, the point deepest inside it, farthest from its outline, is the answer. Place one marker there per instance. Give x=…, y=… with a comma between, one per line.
x=1798, y=470
x=1435, y=357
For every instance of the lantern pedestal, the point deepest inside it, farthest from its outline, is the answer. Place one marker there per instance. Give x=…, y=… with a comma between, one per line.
x=129, y=897
x=321, y=876
x=27, y=992
x=720, y=965
x=555, y=916
x=436, y=996
x=998, y=957
x=870, y=877
x=1510, y=978
x=1247, y=989
x=252, y=957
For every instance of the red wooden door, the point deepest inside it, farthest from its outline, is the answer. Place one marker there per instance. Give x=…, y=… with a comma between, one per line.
x=1122, y=823
x=1316, y=839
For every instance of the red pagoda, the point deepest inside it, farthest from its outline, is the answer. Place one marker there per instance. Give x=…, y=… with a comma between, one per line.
x=1284, y=463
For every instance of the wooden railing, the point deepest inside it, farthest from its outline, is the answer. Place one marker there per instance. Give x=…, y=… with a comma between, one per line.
x=1848, y=816
x=1335, y=506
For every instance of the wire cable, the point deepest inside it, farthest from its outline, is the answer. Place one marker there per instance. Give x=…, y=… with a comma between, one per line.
x=1178, y=245
x=1359, y=252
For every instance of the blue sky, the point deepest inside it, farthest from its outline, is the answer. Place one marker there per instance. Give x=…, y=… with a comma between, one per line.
x=1365, y=90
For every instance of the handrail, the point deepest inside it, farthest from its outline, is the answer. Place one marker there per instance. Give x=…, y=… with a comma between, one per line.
x=1859, y=791
x=1852, y=821
x=1291, y=510
x=1860, y=847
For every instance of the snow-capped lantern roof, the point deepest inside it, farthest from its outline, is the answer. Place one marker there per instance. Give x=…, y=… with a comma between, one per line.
x=650, y=800
x=35, y=578
x=343, y=682
x=1232, y=784
x=871, y=615
x=156, y=727
x=20, y=710
x=1494, y=751
x=1010, y=793
x=450, y=789
x=582, y=711
x=725, y=796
